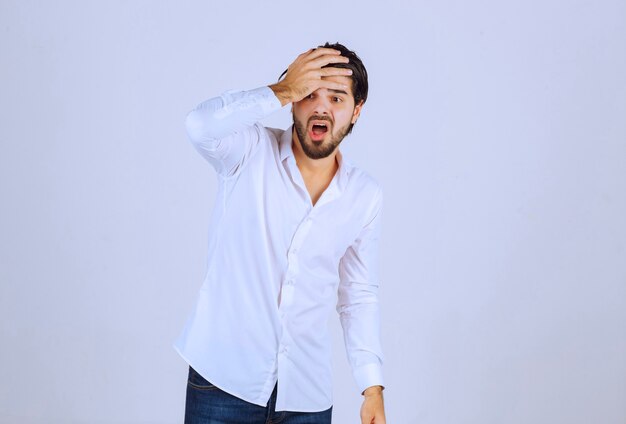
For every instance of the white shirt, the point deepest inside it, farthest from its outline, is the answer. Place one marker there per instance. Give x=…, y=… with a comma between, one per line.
x=277, y=265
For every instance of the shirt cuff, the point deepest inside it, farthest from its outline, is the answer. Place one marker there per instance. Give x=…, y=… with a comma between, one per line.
x=261, y=100
x=368, y=375
x=271, y=103
x=262, y=97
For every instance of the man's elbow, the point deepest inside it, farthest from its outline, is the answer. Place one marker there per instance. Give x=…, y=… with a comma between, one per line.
x=202, y=130
x=198, y=126
x=370, y=303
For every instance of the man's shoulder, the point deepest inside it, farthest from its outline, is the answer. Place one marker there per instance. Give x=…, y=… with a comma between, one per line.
x=364, y=180
x=366, y=192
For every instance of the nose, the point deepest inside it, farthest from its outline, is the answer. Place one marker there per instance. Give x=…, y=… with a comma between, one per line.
x=321, y=104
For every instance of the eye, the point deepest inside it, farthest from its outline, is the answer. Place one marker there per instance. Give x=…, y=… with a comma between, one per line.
x=337, y=99
x=310, y=96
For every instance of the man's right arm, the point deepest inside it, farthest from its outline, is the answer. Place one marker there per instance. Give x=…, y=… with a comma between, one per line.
x=225, y=129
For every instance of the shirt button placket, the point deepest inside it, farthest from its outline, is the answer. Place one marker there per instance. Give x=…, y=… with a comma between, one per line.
x=288, y=287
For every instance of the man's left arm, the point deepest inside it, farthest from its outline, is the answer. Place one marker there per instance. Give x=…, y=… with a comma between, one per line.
x=358, y=310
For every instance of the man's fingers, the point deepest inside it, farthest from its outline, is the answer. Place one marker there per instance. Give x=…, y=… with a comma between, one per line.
x=326, y=59
x=306, y=74
x=332, y=71
x=322, y=51
x=305, y=53
x=332, y=85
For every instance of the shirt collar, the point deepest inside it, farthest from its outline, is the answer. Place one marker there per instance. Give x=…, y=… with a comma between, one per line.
x=286, y=151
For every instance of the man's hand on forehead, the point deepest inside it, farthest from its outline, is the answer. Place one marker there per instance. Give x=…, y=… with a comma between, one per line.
x=306, y=74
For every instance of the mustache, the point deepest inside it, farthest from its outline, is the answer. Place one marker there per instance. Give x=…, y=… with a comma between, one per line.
x=320, y=118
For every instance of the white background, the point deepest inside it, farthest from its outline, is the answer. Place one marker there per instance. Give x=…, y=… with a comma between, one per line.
x=497, y=129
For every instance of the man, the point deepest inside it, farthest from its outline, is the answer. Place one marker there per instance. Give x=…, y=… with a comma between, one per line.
x=293, y=235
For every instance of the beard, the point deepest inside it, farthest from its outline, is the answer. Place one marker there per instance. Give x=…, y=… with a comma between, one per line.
x=326, y=147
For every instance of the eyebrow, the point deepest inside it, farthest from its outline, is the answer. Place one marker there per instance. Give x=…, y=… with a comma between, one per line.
x=337, y=91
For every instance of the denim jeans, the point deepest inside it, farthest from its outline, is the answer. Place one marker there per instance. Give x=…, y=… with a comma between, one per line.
x=207, y=404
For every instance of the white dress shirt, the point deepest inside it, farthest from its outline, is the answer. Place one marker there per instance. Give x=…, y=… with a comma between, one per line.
x=277, y=264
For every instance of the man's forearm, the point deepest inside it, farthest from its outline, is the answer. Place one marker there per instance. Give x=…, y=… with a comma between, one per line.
x=283, y=93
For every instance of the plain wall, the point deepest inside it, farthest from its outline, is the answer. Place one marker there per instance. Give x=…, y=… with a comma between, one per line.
x=497, y=129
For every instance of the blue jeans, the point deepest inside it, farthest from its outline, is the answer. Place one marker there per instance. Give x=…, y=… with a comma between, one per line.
x=207, y=404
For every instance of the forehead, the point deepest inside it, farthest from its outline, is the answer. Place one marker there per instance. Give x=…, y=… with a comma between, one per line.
x=342, y=80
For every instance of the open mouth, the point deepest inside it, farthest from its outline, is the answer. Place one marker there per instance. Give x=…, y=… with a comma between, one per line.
x=318, y=130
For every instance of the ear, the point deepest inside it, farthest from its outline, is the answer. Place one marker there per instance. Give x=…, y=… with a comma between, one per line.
x=357, y=112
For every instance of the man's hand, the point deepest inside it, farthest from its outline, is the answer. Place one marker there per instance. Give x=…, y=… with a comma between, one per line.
x=373, y=410
x=305, y=75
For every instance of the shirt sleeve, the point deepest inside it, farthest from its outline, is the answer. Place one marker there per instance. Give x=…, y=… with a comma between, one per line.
x=225, y=129
x=357, y=303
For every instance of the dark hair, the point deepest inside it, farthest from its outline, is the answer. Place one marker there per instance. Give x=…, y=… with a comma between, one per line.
x=359, y=73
